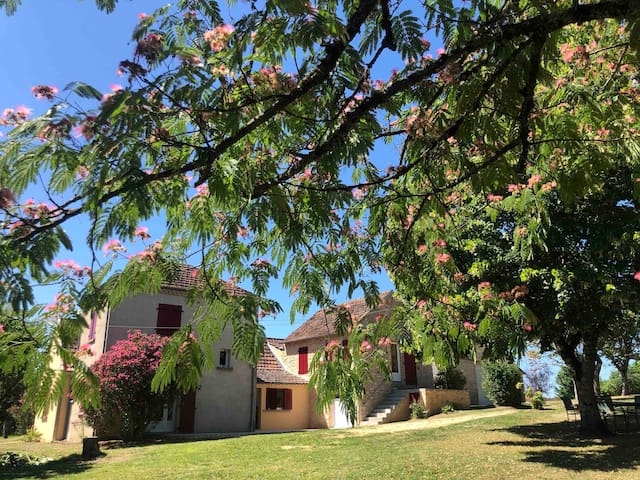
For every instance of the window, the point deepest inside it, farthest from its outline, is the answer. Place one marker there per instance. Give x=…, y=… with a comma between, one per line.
x=279, y=399
x=169, y=319
x=224, y=358
x=303, y=360
x=92, y=326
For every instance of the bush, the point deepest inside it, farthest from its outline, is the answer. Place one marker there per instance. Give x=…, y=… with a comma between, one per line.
x=500, y=383
x=418, y=410
x=20, y=419
x=537, y=401
x=32, y=435
x=448, y=408
x=125, y=373
x=564, y=383
x=451, y=379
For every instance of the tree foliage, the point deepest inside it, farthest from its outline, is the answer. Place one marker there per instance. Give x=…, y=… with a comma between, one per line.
x=323, y=143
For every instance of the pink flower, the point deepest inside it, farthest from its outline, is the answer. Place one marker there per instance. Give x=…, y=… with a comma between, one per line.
x=365, y=346
x=637, y=276
x=142, y=232
x=441, y=51
x=443, y=258
x=470, y=326
x=534, y=180
x=422, y=249
x=494, y=198
x=22, y=112
x=113, y=245
x=484, y=286
x=1, y=328
x=528, y=328
x=439, y=243
x=44, y=91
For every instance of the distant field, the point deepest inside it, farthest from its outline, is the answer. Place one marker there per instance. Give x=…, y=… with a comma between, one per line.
x=519, y=444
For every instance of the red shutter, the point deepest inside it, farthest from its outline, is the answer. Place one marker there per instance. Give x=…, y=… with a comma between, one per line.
x=288, y=399
x=92, y=326
x=303, y=360
x=169, y=318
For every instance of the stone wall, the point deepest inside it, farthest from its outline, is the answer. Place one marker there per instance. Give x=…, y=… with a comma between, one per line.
x=435, y=399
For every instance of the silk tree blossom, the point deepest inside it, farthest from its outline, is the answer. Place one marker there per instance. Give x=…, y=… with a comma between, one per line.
x=637, y=276
x=142, y=232
x=44, y=92
x=494, y=198
x=113, y=246
x=72, y=268
x=1, y=328
x=470, y=326
x=443, y=258
x=218, y=38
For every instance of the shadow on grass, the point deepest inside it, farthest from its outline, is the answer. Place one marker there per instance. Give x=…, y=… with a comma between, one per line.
x=560, y=445
x=68, y=465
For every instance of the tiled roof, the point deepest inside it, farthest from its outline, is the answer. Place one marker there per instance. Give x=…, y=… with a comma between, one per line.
x=186, y=277
x=269, y=368
x=322, y=323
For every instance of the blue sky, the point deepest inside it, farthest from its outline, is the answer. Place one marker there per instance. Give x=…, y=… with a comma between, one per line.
x=55, y=43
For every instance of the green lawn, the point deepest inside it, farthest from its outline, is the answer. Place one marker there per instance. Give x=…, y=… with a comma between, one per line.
x=522, y=444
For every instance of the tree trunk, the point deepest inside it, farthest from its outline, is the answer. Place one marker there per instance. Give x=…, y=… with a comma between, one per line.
x=584, y=367
x=624, y=375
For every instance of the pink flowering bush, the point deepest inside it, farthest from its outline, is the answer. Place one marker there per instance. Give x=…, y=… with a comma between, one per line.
x=125, y=372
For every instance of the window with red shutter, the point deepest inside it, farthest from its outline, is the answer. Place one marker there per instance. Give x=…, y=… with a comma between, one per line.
x=303, y=360
x=279, y=399
x=169, y=319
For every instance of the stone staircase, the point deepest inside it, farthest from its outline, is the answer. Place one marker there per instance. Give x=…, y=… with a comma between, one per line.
x=386, y=407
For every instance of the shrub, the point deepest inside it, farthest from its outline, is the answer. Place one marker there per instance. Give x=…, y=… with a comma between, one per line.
x=537, y=401
x=20, y=419
x=125, y=373
x=32, y=435
x=448, y=408
x=15, y=460
x=418, y=410
x=500, y=383
x=564, y=383
x=451, y=378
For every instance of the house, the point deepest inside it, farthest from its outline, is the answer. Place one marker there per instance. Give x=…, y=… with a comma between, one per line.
x=225, y=399
x=284, y=400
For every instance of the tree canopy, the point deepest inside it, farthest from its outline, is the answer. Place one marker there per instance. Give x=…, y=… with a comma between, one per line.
x=321, y=142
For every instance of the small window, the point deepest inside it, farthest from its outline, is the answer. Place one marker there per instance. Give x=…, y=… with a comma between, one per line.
x=224, y=358
x=279, y=399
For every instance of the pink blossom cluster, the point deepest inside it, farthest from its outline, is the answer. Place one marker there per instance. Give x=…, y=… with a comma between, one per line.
x=470, y=326
x=69, y=267
x=142, y=232
x=63, y=303
x=484, y=288
x=11, y=116
x=113, y=246
x=149, y=47
x=44, y=91
x=33, y=210
x=218, y=38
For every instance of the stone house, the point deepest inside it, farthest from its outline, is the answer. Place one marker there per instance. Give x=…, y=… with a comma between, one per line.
x=284, y=400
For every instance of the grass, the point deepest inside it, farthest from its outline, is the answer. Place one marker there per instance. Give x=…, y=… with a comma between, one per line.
x=523, y=444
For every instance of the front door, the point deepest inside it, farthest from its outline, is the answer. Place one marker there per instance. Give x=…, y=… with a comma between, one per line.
x=395, y=363
x=187, y=412
x=410, y=372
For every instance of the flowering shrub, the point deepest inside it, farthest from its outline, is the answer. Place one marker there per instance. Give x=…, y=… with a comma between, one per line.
x=125, y=373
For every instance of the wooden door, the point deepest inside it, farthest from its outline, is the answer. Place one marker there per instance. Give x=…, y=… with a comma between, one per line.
x=410, y=373
x=187, y=412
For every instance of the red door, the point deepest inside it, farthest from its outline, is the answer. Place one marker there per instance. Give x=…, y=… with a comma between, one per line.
x=410, y=374
x=187, y=412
